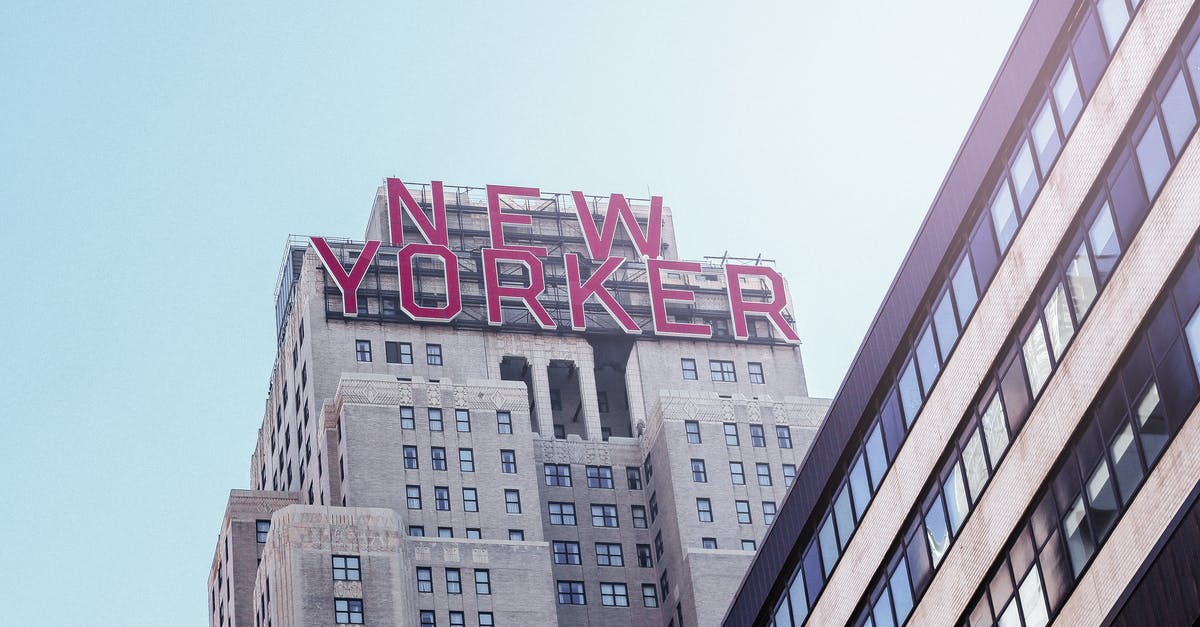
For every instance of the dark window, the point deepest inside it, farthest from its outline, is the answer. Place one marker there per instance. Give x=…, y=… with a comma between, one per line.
x=784, y=435
x=410, y=457
x=757, y=437
x=433, y=354
x=571, y=593
x=699, y=473
x=345, y=568
x=261, y=527
x=633, y=477
x=428, y=619
x=689, y=369
x=438, y=455
x=362, y=350
x=441, y=498
x=756, y=372
x=599, y=477
x=558, y=475
x=566, y=552
x=602, y=402
x=348, y=611
x=416, y=531
x=722, y=370
x=644, y=556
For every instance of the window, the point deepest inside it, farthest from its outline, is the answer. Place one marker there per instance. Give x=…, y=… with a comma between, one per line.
x=441, y=498
x=789, y=475
x=758, y=438
x=743, y=512
x=649, y=595
x=731, y=434
x=708, y=543
x=504, y=423
x=512, y=501
x=362, y=350
x=764, y=473
x=643, y=556
x=428, y=619
x=473, y=533
x=433, y=354
x=756, y=372
x=424, y=579
x=722, y=370
x=1103, y=237
x=346, y=568
x=665, y=584
x=689, y=369
x=453, y=581
x=413, y=492
x=658, y=545
x=783, y=433
x=508, y=461
x=416, y=531
x=1004, y=216
x=1178, y=115
x=466, y=460
x=614, y=594
x=562, y=513
x=517, y=535
x=633, y=477
x=571, y=593
x=483, y=581
x=398, y=352
x=599, y=477
x=348, y=611
x=748, y=545
x=566, y=552
x=704, y=510
x=438, y=455
x=604, y=515
x=639, y=516
x=486, y=620
x=457, y=619
x=410, y=457
x=560, y=432
x=768, y=512
x=736, y=473
x=435, y=418
x=558, y=475
x=261, y=527
x=1037, y=357
x=653, y=506
x=699, y=474
x=470, y=500
x=693, y=431
x=462, y=420
x=609, y=554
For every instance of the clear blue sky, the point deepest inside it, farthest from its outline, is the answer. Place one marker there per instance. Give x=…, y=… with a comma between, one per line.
x=155, y=156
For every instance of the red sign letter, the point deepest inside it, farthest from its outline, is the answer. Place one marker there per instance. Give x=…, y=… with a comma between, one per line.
x=773, y=308
x=527, y=295
x=600, y=244
x=408, y=300
x=578, y=293
x=497, y=219
x=660, y=296
x=347, y=283
x=398, y=197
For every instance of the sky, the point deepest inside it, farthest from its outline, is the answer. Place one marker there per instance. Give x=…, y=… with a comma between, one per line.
x=155, y=156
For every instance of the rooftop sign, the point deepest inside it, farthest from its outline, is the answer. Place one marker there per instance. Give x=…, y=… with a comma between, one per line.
x=598, y=239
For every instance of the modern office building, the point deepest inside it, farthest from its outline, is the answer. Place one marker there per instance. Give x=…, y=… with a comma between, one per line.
x=495, y=410
x=1017, y=440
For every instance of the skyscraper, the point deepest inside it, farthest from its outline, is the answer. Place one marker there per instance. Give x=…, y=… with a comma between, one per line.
x=1016, y=441
x=503, y=407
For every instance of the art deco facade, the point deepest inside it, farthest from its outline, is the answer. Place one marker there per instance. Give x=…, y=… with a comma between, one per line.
x=465, y=474
x=1018, y=440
